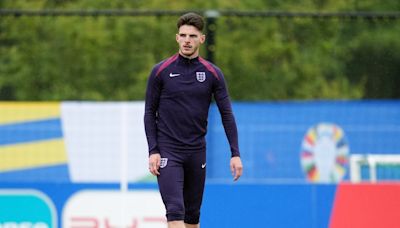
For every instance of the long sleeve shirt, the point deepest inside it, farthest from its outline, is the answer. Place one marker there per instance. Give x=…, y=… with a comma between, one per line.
x=178, y=97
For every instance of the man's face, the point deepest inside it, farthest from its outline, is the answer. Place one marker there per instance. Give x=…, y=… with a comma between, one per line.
x=189, y=40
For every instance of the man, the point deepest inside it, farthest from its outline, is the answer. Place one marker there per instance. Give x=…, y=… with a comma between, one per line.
x=178, y=97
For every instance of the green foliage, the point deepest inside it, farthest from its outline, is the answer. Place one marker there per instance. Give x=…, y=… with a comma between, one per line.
x=374, y=63
x=109, y=58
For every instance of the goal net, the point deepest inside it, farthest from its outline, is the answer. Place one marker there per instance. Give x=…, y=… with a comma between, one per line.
x=374, y=167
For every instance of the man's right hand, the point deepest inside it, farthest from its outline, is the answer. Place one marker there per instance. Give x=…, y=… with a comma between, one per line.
x=154, y=164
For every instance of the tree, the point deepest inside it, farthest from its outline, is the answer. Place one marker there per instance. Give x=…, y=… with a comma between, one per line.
x=109, y=58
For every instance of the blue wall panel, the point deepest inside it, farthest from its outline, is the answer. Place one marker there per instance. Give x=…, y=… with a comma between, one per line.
x=229, y=205
x=271, y=133
x=266, y=205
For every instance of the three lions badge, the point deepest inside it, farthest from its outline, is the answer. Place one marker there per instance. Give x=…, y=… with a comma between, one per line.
x=201, y=76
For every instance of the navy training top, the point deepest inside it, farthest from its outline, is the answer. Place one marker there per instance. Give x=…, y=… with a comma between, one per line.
x=178, y=97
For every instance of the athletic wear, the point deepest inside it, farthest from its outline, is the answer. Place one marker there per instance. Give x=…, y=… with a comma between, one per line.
x=178, y=98
x=181, y=184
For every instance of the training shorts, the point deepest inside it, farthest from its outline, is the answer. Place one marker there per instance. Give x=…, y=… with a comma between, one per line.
x=181, y=184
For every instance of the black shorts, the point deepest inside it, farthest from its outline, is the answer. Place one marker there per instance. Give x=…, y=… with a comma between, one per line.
x=181, y=184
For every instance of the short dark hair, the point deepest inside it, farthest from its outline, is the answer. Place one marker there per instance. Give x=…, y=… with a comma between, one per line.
x=193, y=19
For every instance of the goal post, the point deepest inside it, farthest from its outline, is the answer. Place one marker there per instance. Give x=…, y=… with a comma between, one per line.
x=372, y=165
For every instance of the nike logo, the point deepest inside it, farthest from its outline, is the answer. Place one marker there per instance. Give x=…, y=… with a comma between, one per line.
x=173, y=75
x=203, y=165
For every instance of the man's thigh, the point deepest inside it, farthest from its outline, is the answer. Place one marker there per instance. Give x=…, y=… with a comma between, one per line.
x=195, y=174
x=171, y=182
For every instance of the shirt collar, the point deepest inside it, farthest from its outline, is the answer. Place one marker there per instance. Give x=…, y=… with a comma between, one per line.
x=186, y=60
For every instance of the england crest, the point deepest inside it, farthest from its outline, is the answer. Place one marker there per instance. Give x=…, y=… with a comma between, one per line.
x=201, y=76
x=163, y=162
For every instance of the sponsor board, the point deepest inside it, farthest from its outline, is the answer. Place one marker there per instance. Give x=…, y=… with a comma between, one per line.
x=78, y=142
x=26, y=209
x=112, y=209
x=102, y=139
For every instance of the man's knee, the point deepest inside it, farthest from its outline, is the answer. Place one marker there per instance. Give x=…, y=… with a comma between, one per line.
x=176, y=224
x=175, y=212
x=192, y=217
